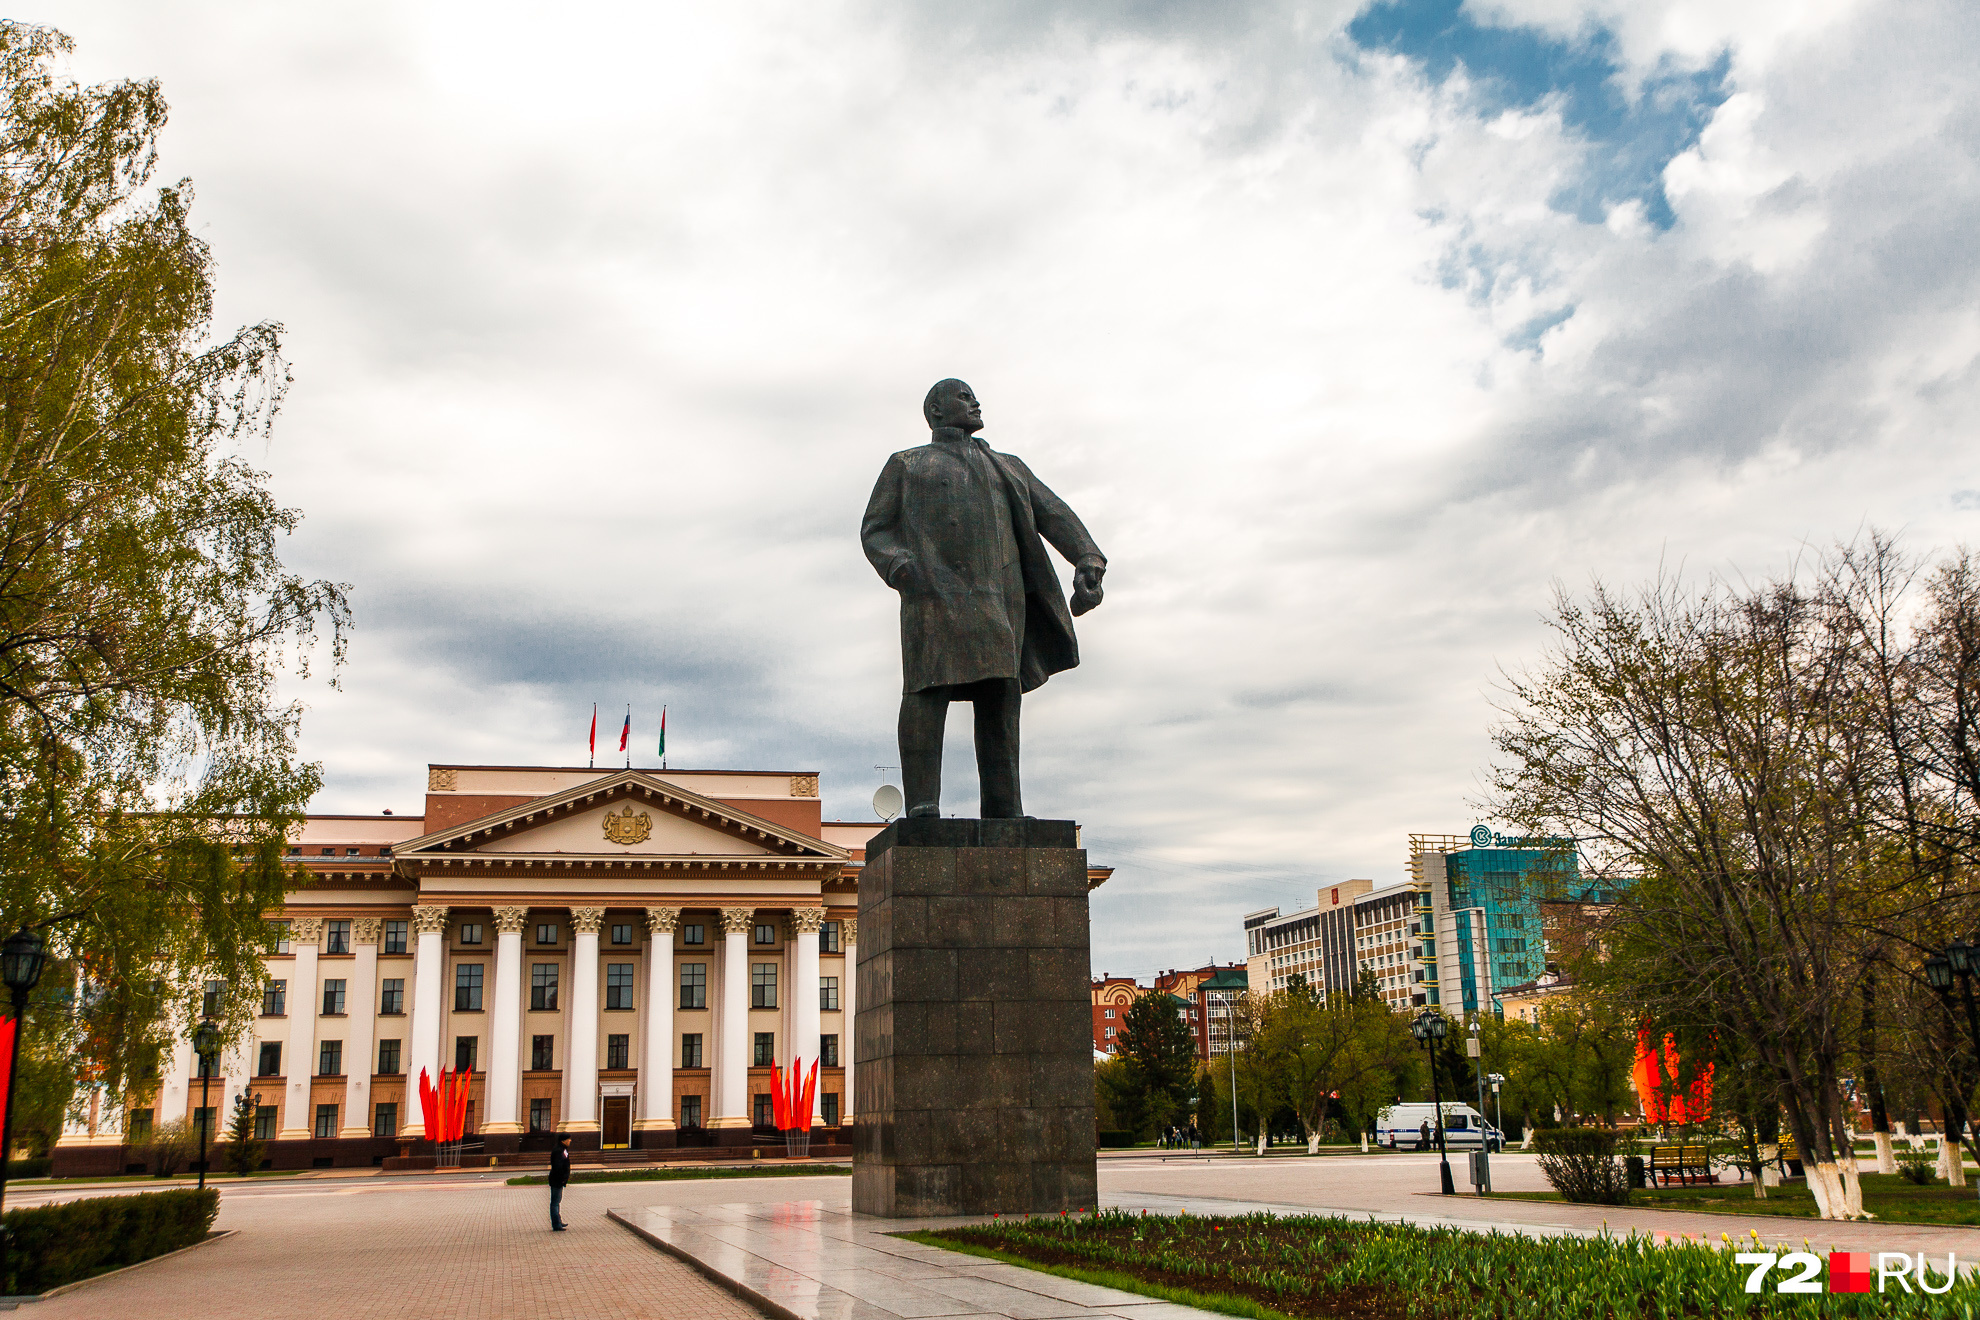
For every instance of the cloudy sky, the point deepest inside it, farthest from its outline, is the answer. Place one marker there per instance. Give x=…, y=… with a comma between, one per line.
x=1349, y=330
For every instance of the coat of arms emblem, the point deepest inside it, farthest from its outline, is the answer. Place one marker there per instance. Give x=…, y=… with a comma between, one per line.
x=628, y=828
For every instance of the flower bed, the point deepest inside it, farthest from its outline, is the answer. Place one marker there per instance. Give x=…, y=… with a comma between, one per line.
x=1327, y=1268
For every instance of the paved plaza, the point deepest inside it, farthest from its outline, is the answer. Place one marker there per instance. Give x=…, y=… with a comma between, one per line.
x=469, y=1246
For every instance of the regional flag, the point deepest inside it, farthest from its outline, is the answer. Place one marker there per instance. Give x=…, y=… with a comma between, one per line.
x=663, y=731
x=626, y=732
x=594, y=730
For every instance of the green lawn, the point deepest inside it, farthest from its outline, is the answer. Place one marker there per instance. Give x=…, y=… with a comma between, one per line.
x=676, y=1175
x=1885, y=1195
x=1318, y=1267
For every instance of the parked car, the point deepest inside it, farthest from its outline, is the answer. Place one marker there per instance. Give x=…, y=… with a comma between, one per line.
x=1400, y=1127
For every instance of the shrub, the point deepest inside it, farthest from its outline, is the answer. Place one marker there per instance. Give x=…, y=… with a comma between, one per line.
x=1917, y=1166
x=1116, y=1138
x=1581, y=1163
x=34, y=1168
x=51, y=1245
x=170, y=1147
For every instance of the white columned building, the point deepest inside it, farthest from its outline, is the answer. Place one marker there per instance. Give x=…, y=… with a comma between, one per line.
x=581, y=1066
x=848, y=1007
x=483, y=876
x=805, y=989
x=732, y=1061
x=657, y=1053
x=361, y=1005
x=503, y=1092
x=429, y=981
x=304, y=1000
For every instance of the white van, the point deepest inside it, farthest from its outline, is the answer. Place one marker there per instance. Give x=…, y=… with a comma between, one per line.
x=1400, y=1127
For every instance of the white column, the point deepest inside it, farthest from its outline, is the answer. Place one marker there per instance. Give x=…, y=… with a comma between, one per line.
x=502, y=1097
x=656, y=1054
x=804, y=986
x=848, y=1007
x=429, y=971
x=732, y=1061
x=305, y=933
x=360, y=1026
x=581, y=1054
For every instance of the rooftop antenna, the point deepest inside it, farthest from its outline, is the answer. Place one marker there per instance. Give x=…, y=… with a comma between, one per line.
x=887, y=802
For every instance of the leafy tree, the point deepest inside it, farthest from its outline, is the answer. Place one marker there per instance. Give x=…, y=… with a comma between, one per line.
x=148, y=765
x=244, y=1149
x=1158, y=1083
x=1347, y=1054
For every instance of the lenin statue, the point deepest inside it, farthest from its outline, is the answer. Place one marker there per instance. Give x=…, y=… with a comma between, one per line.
x=960, y=531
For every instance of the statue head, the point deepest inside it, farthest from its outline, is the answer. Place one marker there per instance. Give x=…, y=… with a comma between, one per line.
x=952, y=403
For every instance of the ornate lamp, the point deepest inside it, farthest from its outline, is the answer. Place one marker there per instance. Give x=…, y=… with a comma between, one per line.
x=1430, y=1027
x=206, y=1044
x=1964, y=957
x=1939, y=973
x=21, y=960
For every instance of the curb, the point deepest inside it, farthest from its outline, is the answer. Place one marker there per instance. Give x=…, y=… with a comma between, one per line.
x=216, y=1235
x=728, y=1282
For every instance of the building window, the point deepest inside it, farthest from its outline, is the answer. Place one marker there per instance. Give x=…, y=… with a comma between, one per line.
x=333, y=998
x=280, y=929
x=271, y=1059
x=392, y=997
x=467, y=988
x=690, y=1111
x=209, y=1002
x=1110, y=1015
x=622, y=934
x=542, y=1053
x=546, y=933
x=766, y=1049
x=275, y=999
x=618, y=985
x=388, y=1057
x=828, y=1050
x=828, y=937
x=264, y=1122
x=464, y=1053
x=764, y=1109
x=828, y=1109
x=618, y=1051
x=763, y=985
x=330, y=1058
x=691, y=1049
x=395, y=937
x=138, y=1129
x=337, y=937
x=470, y=932
x=385, y=1119
x=828, y=994
x=543, y=986
x=766, y=934
x=539, y=1115
x=694, y=934
x=326, y=1121
x=694, y=985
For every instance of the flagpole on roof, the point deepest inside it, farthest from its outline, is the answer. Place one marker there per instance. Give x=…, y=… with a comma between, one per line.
x=625, y=739
x=594, y=735
x=663, y=736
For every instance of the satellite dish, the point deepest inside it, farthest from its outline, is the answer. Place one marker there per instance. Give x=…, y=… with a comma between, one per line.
x=887, y=802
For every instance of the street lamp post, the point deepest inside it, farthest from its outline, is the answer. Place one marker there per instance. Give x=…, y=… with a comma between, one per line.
x=206, y=1044
x=21, y=959
x=1430, y=1028
x=1498, y=1105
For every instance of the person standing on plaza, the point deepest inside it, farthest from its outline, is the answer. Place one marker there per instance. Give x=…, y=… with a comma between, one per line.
x=560, y=1174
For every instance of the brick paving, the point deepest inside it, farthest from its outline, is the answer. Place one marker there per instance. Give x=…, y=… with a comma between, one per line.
x=458, y=1250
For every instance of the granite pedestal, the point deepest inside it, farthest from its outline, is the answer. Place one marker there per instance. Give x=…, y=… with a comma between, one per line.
x=973, y=1038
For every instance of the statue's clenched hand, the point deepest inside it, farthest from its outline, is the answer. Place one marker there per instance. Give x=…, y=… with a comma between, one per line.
x=1087, y=591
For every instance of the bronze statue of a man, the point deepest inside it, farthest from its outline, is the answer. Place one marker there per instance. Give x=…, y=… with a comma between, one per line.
x=960, y=530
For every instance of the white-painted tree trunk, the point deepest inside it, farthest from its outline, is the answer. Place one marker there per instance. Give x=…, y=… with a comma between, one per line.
x=1825, y=1181
x=1313, y=1143
x=1261, y=1143
x=1955, y=1163
x=1852, y=1187
x=1886, y=1161
x=1364, y=1143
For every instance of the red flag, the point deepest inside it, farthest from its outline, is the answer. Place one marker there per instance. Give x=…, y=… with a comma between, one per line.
x=626, y=732
x=594, y=730
x=429, y=1106
x=7, y=1028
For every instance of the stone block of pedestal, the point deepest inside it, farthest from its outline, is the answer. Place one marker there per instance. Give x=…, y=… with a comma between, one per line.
x=974, y=1033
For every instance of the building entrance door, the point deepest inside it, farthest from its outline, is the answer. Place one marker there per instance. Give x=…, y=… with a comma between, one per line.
x=615, y=1122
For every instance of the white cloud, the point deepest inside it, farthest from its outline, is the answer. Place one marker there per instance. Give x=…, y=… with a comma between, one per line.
x=603, y=324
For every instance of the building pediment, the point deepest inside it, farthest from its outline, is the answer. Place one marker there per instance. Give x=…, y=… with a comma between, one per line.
x=626, y=815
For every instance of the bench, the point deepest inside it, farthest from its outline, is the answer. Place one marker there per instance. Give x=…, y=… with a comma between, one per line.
x=1685, y=1163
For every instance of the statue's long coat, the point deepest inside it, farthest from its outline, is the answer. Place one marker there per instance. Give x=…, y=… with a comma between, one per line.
x=960, y=530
